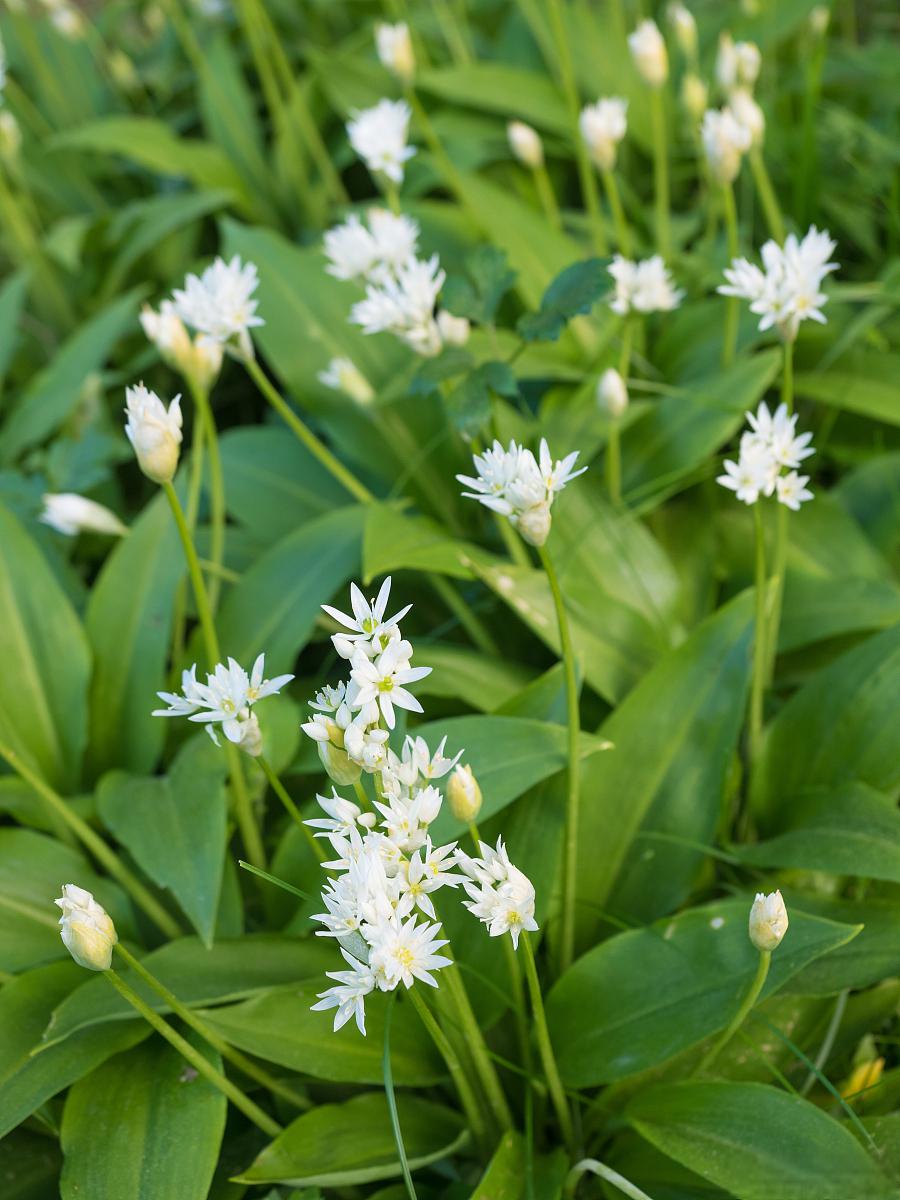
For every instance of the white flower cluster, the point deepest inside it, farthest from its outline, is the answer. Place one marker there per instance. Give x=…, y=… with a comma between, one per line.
x=770, y=445
x=401, y=289
x=226, y=699
x=220, y=304
x=519, y=486
x=643, y=287
x=379, y=903
x=379, y=136
x=725, y=142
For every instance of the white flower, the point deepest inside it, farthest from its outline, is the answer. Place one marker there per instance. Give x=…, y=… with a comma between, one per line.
x=368, y=623
x=770, y=444
x=404, y=305
x=454, y=331
x=749, y=61
x=350, y=249
x=395, y=50
x=792, y=490
x=694, y=95
x=342, y=816
x=69, y=513
x=737, y=64
x=86, y=929
x=777, y=432
x=358, y=251
x=725, y=141
x=612, y=394
x=500, y=895
x=342, y=375
x=379, y=136
x=749, y=477
x=396, y=238
x=425, y=872
x=154, y=431
x=68, y=21
x=464, y=794
x=649, y=53
x=404, y=951
x=685, y=29
x=748, y=113
x=199, y=359
x=603, y=125
x=525, y=143
x=349, y=996
x=644, y=286
x=220, y=301
x=382, y=680
x=768, y=921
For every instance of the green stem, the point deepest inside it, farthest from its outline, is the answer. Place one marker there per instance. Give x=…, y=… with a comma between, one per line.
x=92, y=841
x=195, y=1058
x=192, y=509
x=317, y=448
x=451, y=34
x=470, y=621
x=476, y=1045
x=228, y=1052
x=217, y=490
x=614, y=462
x=660, y=173
x=758, y=683
x=281, y=792
x=623, y=233
x=548, y=1059
x=392, y=1099
x=627, y=337
x=593, y=1167
x=779, y=556
x=732, y=311
x=364, y=802
x=759, y=979
x=570, y=849
x=766, y=194
x=515, y=548
x=544, y=189
x=457, y=1074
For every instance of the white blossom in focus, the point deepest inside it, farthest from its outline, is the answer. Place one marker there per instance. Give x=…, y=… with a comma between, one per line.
x=644, y=286
x=348, y=997
x=649, y=53
x=770, y=445
x=69, y=513
x=464, y=794
x=382, y=680
x=500, y=895
x=379, y=136
x=154, y=431
x=603, y=125
x=86, y=928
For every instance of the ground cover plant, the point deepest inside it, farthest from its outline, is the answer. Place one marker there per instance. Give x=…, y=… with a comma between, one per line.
x=449, y=602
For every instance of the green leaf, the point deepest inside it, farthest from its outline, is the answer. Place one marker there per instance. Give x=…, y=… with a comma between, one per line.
x=46, y=662
x=606, y=1023
x=394, y=539
x=337, y=1145
x=469, y=404
x=53, y=393
x=756, y=1140
x=139, y=1128
x=141, y=226
x=872, y=956
x=481, y=683
x=864, y=383
x=230, y=970
x=575, y=290
x=128, y=623
x=504, y=1178
x=477, y=293
x=274, y=606
x=500, y=88
x=279, y=1026
x=451, y=361
x=12, y=300
x=175, y=827
x=816, y=609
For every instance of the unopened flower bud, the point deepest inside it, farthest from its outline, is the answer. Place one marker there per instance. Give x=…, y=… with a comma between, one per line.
x=819, y=20
x=10, y=136
x=612, y=394
x=685, y=29
x=454, y=331
x=534, y=524
x=395, y=50
x=749, y=114
x=694, y=96
x=68, y=21
x=749, y=61
x=69, y=513
x=768, y=921
x=464, y=794
x=250, y=740
x=86, y=929
x=123, y=70
x=154, y=432
x=338, y=764
x=525, y=144
x=865, y=1076
x=602, y=126
x=207, y=360
x=649, y=53
x=342, y=375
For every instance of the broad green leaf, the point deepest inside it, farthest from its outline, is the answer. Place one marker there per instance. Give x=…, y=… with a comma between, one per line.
x=53, y=393
x=607, y=1022
x=128, y=622
x=469, y=403
x=864, y=383
x=482, y=683
x=141, y=226
x=839, y=728
x=674, y=738
x=849, y=829
x=504, y=1178
x=139, y=1128
x=477, y=293
x=12, y=299
x=279, y=1026
x=337, y=1145
x=816, y=609
x=870, y=957
x=871, y=495
x=230, y=970
x=394, y=539
x=756, y=1140
x=46, y=662
x=174, y=826
x=500, y=88
x=274, y=606
x=575, y=290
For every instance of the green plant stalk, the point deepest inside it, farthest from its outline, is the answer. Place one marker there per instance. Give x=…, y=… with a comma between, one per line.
x=660, y=173
x=92, y=841
x=451, y=33
x=732, y=310
x=623, y=233
x=544, y=189
x=627, y=337
x=766, y=194
x=779, y=555
x=364, y=802
x=391, y=192
x=806, y=177
x=758, y=682
x=216, y=489
x=464, y=1090
x=545, y=1046
x=192, y=508
x=259, y=1118
x=570, y=845
x=759, y=979
x=243, y=807
x=468, y=619
x=281, y=792
x=228, y=1052
x=392, y=1099
x=594, y=1167
x=614, y=462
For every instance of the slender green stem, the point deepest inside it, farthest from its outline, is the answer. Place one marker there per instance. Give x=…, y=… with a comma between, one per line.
x=787, y=377
x=758, y=683
x=759, y=979
x=545, y=1047
x=281, y=792
x=626, y=338
x=614, y=462
x=391, y=193
x=544, y=189
x=732, y=310
x=515, y=547
x=192, y=509
x=593, y=1167
x=467, y=1096
x=766, y=194
x=623, y=233
x=228, y=1052
x=317, y=448
x=92, y=841
x=825, y=1049
x=476, y=629
x=660, y=173
x=364, y=802
x=452, y=35
x=195, y=1058
x=779, y=556
x=216, y=489
x=392, y=1099
x=570, y=848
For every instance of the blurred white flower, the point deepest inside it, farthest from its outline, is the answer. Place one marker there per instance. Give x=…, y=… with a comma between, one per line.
x=725, y=142
x=454, y=331
x=379, y=136
x=748, y=113
x=199, y=358
x=644, y=286
x=649, y=53
x=395, y=50
x=525, y=143
x=792, y=490
x=768, y=921
x=819, y=20
x=69, y=513
x=694, y=96
x=86, y=928
x=68, y=21
x=342, y=375
x=603, y=125
x=404, y=305
x=685, y=29
x=220, y=301
x=612, y=394
x=737, y=64
x=154, y=431
x=358, y=251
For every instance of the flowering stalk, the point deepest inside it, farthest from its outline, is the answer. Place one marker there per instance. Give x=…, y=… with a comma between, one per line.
x=758, y=683
x=228, y=1052
x=766, y=194
x=544, y=189
x=467, y=1096
x=92, y=841
x=203, y=407
x=394, y=1115
x=570, y=849
x=729, y=341
x=200, y=1064
x=779, y=555
x=548, y=1059
x=660, y=173
x=593, y=1167
x=281, y=792
x=752, y=995
x=623, y=234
